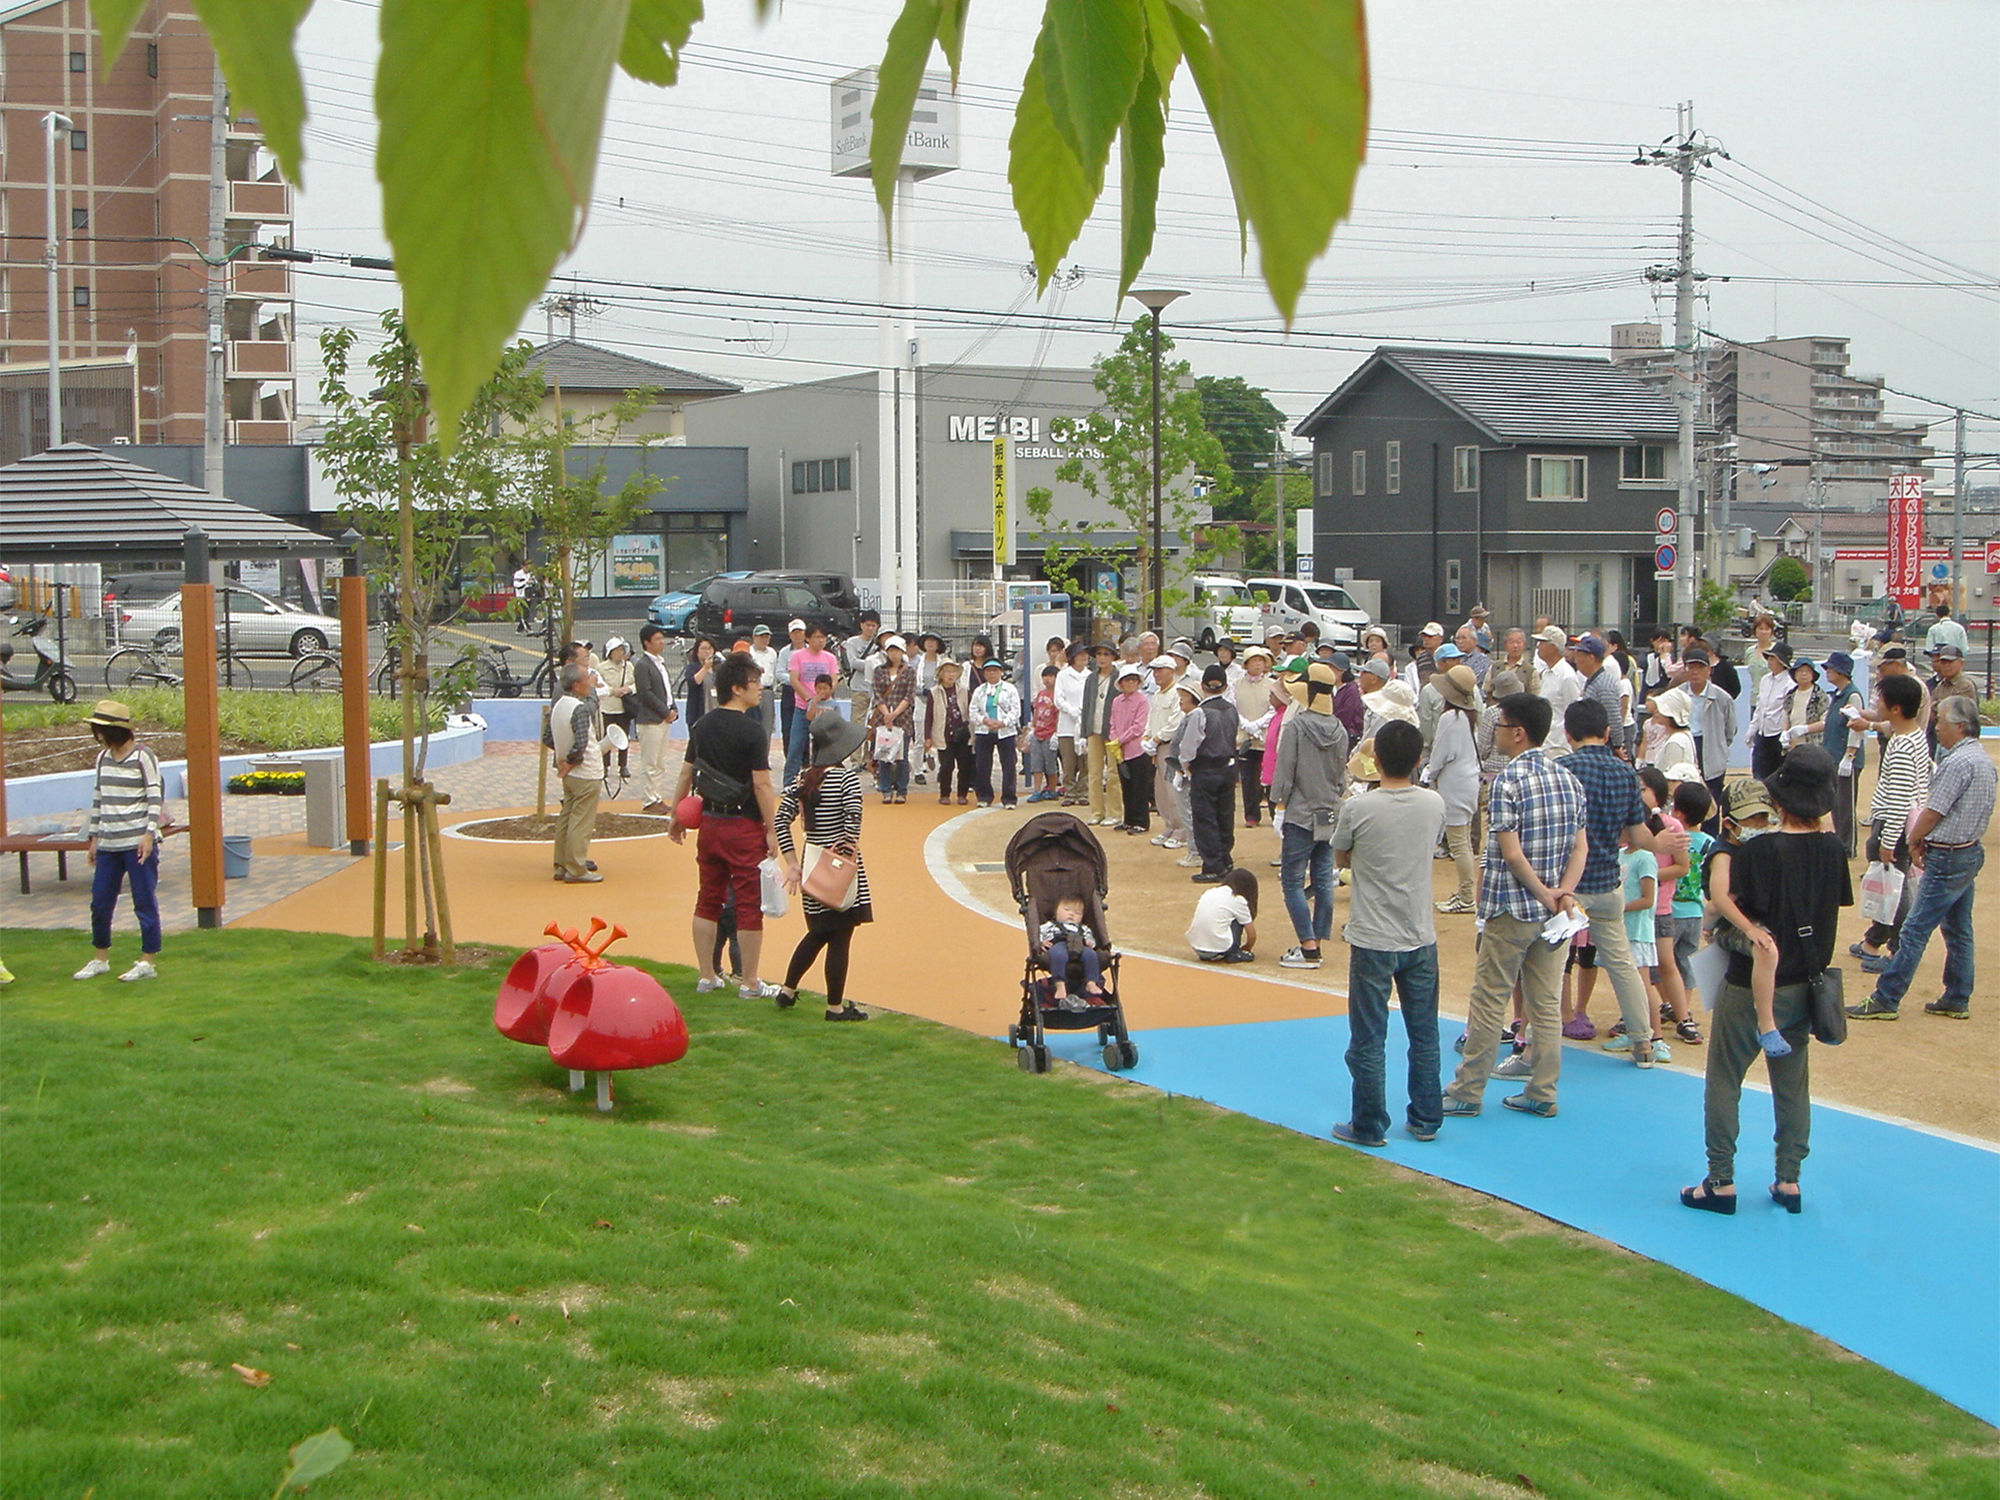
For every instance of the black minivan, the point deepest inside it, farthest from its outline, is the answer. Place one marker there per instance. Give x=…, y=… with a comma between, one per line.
x=736, y=606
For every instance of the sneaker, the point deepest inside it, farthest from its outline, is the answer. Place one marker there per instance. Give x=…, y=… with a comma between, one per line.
x=1173, y=843
x=1459, y=1045
x=1666, y=1014
x=92, y=969
x=1688, y=1032
x=1618, y=1043
x=1877, y=965
x=1580, y=1029
x=1541, y=1108
x=1943, y=1008
x=1239, y=956
x=1188, y=861
x=1662, y=1053
x=1457, y=906
x=1870, y=1009
x=1278, y=864
x=1345, y=1131
x=143, y=969
x=1158, y=841
x=588, y=877
x=1421, y=1132
x=709, y=986
x=766, y=991
x=1458, y=1109
x=1207, y=877
x=1515, y=1065
x=1297, y=958
x=1860, y=950
x=1617, y=1028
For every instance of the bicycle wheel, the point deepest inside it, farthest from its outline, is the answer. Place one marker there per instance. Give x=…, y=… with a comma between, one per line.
x=122, y=665
x=316, y=672
x=384, y=683
x=495, y=679
x=233, y=674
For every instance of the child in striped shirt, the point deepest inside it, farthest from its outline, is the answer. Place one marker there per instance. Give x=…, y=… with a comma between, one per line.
x=127, y=807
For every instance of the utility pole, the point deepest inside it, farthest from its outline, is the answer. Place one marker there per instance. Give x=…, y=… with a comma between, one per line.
x=213, y=433
x=1278, y=488
x=1958, y=518
x=1684, y=152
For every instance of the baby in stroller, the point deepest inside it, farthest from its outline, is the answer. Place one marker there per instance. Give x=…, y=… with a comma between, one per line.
x=1065, y=937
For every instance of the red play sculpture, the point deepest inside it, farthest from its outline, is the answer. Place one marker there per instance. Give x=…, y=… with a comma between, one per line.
x=595, y=1016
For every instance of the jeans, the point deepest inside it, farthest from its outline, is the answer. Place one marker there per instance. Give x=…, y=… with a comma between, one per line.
x=1732, y=1048
x=1212, y=810
x=1087, y=958
x=114, y=867
x=1943, y=903
x=1307, y=877
x=984, y=747
x=1415, y=976
x=797, y=746
x=892, y=776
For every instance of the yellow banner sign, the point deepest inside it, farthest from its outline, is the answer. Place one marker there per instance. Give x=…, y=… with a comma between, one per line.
x=1003, y=531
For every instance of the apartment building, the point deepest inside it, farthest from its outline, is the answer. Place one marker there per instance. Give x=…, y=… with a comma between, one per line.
x=133, y=186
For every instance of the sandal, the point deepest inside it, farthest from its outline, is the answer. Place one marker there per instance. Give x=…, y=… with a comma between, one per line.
x=852, y=1012
x=1705, y=1197
x=1793, y=1202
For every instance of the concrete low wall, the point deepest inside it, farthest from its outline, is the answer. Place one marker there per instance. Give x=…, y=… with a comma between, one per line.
x=69, y=791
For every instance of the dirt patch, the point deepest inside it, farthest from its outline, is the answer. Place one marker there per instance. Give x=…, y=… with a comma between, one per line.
x=542, y=830
x=46, y=749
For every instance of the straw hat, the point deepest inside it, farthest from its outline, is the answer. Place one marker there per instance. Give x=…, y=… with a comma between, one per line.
x=110, y=714
x=1393, y=701
x=1361, y=765
x=1459, y=687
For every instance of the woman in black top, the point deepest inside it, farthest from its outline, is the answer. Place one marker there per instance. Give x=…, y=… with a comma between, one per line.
x=1791, y=882
x=696, y=677
x=829, y=794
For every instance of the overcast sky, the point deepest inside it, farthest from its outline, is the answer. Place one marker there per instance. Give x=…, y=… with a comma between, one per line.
x=1498, y=202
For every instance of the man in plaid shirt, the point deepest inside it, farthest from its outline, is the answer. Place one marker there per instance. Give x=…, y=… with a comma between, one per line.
x=1535, y=853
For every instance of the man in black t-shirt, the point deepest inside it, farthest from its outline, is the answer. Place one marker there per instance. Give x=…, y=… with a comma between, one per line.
x=739, y=810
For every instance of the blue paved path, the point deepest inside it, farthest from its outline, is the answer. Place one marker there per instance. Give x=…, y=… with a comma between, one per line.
x=1894, y=1256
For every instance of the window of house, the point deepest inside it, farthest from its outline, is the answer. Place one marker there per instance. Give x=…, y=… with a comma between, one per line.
x=813, y=476
x=79, y=296
x=1325, y=484
x=1643, y=463
x=79, y=140
x=78, y=63
x=1392, y=468
x=1465, y=470
x=1555, y=478
x=152, y=59
x=79, y=218
x=1357, y=471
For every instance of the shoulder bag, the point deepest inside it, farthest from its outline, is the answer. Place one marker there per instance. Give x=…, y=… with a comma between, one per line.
x=831, y=876
x=1826, y=994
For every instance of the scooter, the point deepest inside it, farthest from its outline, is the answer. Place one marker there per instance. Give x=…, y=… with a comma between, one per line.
x=51, y=671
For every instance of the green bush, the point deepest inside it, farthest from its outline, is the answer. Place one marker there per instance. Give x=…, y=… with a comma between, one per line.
x=1790, y=579
x=271, y=721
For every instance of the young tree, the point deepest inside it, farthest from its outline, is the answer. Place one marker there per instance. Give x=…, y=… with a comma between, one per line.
x=490, y=114
x=1116, y=466
x=1790, y=579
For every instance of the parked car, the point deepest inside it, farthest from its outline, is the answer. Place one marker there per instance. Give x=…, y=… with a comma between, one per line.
x=737, y=606
x=837, y=589
x=258, y=624
x=673, y=611
x=1327, y=605
x=1224, y=607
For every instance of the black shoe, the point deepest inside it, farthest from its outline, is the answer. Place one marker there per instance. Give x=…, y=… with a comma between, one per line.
x=1204, y=877
x=1239, y=957
x=591, y=865
x=1792, y=1203
x=786, y=998
x=1705, y=1197
x=1949, y=1011
x=847, y=1012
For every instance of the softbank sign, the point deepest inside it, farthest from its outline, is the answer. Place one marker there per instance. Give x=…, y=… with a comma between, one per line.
x=1028, y=433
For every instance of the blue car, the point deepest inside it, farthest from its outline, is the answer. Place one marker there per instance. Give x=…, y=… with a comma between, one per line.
x=674, y=612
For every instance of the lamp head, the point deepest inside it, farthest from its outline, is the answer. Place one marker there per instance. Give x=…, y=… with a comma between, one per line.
x=1155, y=298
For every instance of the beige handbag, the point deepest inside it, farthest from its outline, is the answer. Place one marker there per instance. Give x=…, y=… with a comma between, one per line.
x=831, y=876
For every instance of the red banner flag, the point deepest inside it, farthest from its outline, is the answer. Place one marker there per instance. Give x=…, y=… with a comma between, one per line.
x=1906, y=539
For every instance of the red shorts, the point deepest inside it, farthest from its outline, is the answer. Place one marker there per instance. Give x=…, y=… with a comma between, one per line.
x=727, y=852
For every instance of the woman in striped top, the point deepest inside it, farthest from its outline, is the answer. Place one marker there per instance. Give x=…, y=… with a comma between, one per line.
x=829, y=794
x=1902, y=783
x=126, y=809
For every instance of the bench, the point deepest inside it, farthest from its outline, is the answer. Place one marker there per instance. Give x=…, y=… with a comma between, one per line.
x=62, y=845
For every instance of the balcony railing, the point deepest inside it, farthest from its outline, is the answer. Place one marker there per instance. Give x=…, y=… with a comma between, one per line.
x=262, y=280
x=264, y=202
x=260, y=431
x=266, y=358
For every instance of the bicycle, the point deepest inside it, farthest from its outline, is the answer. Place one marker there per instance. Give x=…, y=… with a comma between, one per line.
x=140, y=667
x=319, y=672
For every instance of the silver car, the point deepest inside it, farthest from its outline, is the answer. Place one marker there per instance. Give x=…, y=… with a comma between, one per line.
x=258, y=624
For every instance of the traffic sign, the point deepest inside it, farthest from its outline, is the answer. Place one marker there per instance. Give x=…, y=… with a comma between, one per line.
x=1940, y=571
x=1993, y=557
x=1666, y=522
x=1664, y=557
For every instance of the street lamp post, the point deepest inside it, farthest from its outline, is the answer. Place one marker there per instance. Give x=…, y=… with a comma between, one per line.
x=1156, y=300
x=52, y=125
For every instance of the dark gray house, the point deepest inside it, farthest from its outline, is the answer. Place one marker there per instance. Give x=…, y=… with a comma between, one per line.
x=1528, y=481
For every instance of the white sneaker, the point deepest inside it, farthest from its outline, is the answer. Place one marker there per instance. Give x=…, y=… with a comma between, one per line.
x=1158, y=841
x=92, y=969
x=757, y=991
x=1188, y=861
x=1297, y=958
x=1515, y=1065
x=143, y=969
x=1167, y=843
x=709, y=986
x=1109, y=822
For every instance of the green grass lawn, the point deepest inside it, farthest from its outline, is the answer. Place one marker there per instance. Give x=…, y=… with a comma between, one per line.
x=809, y=1261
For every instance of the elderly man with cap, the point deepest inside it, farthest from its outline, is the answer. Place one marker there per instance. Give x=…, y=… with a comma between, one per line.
x=1765, y=733
x=1947, y=845
x=1163, y=721
x=788, y=700
x=892, y=707
x=1423, y=660
x=1712, y=723
x=766, y=657
x=1308, y=782
x=1949, y=679
x=1560, y=683
x=1601, y=683
x=1206, y=749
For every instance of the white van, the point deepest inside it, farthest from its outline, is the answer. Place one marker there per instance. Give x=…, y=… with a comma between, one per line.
x=1223, y=607
x=1327, y=605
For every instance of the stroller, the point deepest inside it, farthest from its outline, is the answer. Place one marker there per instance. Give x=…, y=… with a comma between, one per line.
x=1050, y=857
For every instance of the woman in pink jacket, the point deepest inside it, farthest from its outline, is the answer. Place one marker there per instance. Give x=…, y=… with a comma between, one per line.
x=1129, y=711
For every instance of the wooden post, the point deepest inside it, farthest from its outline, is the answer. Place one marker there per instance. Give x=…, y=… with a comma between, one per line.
x=433, y=799
x=204, y=751
x=355, y=735
x=412, y=937
x=381, y=866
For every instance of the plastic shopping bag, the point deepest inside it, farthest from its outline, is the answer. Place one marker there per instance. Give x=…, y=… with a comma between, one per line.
x=1881, y=892
x=776, y=902
x=888, y=744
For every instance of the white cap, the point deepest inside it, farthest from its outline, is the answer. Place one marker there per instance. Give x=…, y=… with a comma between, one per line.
x=1164, y=661
x=1432, y=629
x=895, y=641
x=795, y=625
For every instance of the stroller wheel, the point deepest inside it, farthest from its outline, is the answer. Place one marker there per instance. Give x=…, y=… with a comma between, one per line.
x=1013, y=1036
x=1119, y=1056
x=1032, y=1058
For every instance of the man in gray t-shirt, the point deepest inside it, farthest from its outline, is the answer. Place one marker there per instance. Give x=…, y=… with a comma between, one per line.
x=1385, y=838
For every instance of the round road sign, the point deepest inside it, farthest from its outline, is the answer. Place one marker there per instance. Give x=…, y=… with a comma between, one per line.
x=1940, y=571
x=1665, y=522
x=1664, y=557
